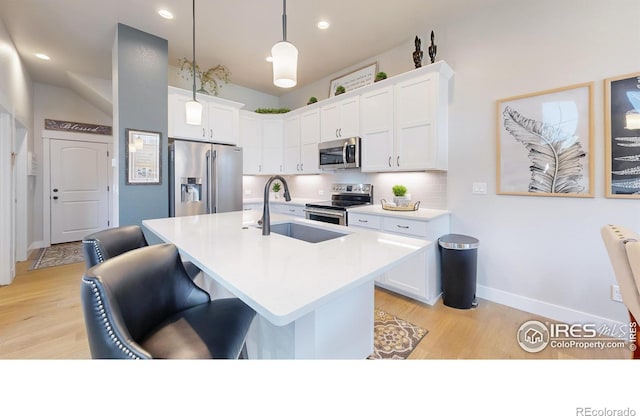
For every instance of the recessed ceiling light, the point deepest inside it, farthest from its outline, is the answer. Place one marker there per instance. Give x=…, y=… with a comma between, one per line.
x=269, y=59
x=165, y=13
x=43, y=56
x=323, y=24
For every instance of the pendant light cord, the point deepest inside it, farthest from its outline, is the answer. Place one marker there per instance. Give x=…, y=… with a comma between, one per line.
x=284, y=20
x=194, y=49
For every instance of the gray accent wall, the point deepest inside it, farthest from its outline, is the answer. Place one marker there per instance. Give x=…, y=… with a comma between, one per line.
x=140, y=102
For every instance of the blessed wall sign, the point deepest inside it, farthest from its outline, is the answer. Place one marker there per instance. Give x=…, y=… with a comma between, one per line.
x=77, y=127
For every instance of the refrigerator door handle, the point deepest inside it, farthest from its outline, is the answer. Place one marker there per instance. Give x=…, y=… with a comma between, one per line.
x=214, y=183
x=208, y=179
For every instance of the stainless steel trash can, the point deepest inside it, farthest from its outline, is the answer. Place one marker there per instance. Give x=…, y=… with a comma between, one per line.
x=458, y=260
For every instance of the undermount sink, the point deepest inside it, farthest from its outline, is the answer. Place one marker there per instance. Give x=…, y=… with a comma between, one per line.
x=305, y=232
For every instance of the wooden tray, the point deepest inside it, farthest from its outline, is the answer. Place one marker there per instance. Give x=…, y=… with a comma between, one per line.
x=412, y=207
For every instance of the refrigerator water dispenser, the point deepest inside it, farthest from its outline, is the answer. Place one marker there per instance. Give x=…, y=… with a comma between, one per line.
x=191, y=190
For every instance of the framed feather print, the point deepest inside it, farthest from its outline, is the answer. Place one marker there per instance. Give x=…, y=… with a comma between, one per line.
x=622, y=141
x=545, y=143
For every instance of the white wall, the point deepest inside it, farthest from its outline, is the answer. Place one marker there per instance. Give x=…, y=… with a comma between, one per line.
x=540, y=254
x=59, y=104
x=16, y=100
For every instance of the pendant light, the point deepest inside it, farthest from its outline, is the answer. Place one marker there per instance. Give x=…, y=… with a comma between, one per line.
x=193, y=107
x=285, y=57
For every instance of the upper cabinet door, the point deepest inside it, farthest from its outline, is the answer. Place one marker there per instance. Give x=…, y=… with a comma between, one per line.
x=251, y=142
x=377, y=130
x=292, y=145
x=416, y=139
x=309, y=139
x=178, y=126
x=329, y=122
x=222, y=124
x=350, y=117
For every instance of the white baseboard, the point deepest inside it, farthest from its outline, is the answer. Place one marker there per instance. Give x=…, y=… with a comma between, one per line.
x=544, y=309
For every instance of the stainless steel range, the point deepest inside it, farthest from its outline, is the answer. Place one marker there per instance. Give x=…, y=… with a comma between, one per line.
x=343, y=196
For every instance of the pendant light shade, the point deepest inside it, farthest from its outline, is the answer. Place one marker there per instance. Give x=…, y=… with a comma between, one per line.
x=632, y=120
x=194, y=112
x=285, y=57
x=285, y=64
x=193, y=108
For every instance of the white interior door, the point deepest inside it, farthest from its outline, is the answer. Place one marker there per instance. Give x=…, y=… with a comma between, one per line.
x=79, y=189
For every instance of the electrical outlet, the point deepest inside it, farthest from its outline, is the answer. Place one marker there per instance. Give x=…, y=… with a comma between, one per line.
x=615, y=293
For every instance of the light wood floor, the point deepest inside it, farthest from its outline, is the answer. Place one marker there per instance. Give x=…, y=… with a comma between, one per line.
x=41, y=318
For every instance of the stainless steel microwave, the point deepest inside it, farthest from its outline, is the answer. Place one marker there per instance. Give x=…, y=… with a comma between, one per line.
x=340, y=154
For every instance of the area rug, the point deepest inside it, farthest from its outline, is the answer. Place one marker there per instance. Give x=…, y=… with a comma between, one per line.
x=394, y=338
x=59, y=254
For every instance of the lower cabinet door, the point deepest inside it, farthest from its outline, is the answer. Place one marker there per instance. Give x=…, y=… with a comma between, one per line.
x=409, y=277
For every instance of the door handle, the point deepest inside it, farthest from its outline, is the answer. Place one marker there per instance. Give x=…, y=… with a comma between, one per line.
x=389, y=161
x=337, y=133
x=55, y=189
x=398, y=161
x=203, y=133
x=211, y=133
x=298, y=167
x=301, y=167
x=55, y=197
x=340, y=131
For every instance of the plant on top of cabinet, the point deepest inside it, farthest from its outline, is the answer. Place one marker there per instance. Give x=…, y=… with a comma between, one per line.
x=209, y=79
x=380, y=76
x=312, y=100
x=340, y=90
x=272, y=110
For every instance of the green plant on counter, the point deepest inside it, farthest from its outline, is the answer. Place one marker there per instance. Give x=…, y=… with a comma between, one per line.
x=276, y=187
x=380, y=76
x=272, y=110
x=399, y=190
x=340, y=89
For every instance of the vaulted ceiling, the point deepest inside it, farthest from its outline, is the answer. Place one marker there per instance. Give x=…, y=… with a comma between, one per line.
x=79, y=35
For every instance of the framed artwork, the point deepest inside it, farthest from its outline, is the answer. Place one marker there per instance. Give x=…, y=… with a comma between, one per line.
x=545, y=143
x=622, y=136
x=143, y=152
x=353, y=80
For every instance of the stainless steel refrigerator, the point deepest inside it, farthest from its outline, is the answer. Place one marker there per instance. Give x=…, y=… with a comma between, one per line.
x=204, y=178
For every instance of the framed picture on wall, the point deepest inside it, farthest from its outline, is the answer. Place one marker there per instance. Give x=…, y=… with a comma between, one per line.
x=143, y=157
x=545, y=143
x=622, y=136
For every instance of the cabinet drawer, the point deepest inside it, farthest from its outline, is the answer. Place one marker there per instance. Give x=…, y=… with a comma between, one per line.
x=283, y=208
x=366, y=221
x=402, y=226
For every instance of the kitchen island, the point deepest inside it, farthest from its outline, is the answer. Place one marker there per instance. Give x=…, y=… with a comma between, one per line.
x=313, y=300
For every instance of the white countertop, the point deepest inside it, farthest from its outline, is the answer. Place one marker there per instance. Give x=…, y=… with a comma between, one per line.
x=282, y=278
x=422, y=214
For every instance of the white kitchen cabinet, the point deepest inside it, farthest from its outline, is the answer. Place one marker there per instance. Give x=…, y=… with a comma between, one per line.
x=419, y=276
x=378, y=132
x=340, y=119
x=220, y=118
x=261, y=137
x=405, y=125
x=301, y=138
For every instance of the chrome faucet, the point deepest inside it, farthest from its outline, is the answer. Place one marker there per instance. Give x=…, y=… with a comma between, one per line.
x=266, y=218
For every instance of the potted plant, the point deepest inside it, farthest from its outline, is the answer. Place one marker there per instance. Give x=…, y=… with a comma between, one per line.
x=312, y=100
x=275, y=188
x=400, y=198
x=340, y=90
x=380, y=76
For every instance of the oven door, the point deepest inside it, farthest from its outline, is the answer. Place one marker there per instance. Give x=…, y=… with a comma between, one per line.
x=326, y=215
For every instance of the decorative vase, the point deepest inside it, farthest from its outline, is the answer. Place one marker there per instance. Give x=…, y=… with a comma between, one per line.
x=402, y=201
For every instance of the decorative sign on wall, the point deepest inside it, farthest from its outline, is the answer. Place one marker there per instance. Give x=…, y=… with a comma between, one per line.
x=622, y=144
x=74, y=127
x=353, y=80
x=545, y=144
x=142, y=157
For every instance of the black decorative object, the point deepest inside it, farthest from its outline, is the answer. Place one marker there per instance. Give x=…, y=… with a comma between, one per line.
x=417, y=54
x=433, y=49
